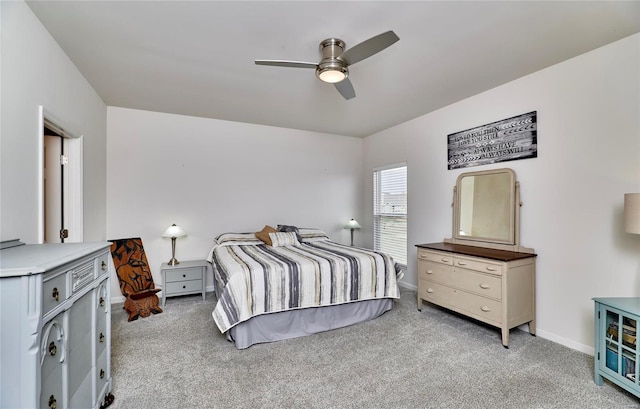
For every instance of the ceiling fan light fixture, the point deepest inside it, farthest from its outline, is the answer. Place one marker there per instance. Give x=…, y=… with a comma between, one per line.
x=332, y=75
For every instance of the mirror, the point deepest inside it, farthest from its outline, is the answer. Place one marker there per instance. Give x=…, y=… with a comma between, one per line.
x=485, y=207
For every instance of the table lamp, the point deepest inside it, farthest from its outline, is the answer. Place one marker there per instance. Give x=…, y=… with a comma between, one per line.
x=353, y=225
x=174, y=232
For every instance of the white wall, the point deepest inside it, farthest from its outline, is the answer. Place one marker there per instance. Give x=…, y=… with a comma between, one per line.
x=35, y=71
x=211, y=176
x=588, y=157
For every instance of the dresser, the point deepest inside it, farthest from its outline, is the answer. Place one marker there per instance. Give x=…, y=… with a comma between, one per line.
x=55, y=325
x=490, y=285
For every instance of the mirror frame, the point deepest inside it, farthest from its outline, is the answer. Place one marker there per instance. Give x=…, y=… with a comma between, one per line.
x=511, y=244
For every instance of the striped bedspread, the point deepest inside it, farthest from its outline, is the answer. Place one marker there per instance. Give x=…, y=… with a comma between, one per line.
x=260, y=279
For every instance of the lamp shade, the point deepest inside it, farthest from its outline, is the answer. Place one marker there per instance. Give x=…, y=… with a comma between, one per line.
x=632, y=213
x=174, y=231
x=352, y=224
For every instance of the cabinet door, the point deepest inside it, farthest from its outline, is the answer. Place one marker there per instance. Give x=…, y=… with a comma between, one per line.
x=620, y=346
x=80, y=355
x=53, y=355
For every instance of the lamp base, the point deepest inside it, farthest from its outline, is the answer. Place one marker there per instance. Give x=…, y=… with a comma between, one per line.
x=173, y=262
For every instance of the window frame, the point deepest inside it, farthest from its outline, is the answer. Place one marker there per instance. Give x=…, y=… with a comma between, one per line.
x=401, y=259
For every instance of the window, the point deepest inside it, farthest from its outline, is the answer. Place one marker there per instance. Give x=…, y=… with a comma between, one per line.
x=390, y=211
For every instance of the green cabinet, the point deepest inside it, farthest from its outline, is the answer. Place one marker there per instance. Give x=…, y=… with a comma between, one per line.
x=616, y=350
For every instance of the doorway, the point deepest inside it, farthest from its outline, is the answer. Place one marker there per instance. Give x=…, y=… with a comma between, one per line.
x=60, y=202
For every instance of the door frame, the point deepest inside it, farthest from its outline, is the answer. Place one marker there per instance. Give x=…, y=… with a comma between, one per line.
x=73, y=196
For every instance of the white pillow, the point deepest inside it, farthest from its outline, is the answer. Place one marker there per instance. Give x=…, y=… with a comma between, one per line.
x=309, y=235
x=238, y=239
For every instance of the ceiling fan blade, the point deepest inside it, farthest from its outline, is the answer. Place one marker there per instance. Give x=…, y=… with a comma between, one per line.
x=345, y=88
x=285, y=63
x=369, y=47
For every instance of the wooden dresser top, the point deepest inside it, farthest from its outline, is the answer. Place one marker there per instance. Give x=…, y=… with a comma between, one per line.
x=494, y=254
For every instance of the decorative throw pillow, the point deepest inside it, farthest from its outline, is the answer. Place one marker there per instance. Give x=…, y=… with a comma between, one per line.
x=264, y=234
x=293, y=229
x=279, y=239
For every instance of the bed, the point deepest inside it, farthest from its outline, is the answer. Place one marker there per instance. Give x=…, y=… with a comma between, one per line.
x=297, y=282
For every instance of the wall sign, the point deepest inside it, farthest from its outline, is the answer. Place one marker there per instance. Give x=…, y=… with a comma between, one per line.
x=509, y=139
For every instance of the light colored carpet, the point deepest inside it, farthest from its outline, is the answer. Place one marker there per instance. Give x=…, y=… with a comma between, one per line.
x=404, y=359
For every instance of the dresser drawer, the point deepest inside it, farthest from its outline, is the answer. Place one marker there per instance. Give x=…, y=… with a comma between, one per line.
x=102, y=265
x=477, y=265
x=184, y=274
x=184, y=286
x=441, y=258
x=470, y=304
x=486, y=285
x=54, y=292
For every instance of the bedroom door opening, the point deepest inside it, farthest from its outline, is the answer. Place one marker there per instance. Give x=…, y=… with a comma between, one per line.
x=60, y=202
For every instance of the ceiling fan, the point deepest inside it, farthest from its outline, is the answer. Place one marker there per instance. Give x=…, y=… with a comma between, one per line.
x=334, y=66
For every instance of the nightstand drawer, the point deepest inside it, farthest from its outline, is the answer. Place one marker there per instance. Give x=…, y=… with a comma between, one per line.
x=184, y=286
x=184, y=274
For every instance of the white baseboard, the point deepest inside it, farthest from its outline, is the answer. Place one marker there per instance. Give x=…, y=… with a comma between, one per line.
x=563, y=341
x=120, y=298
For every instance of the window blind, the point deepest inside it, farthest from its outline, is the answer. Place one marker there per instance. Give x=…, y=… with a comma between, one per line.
x=390, y=211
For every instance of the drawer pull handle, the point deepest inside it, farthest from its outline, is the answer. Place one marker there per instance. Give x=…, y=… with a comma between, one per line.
x=184, y=286
x=485, y=308
x=101, y=338
x=484, y=286
x=444, y=260
x=429, y=290
x=102, y=374
x=53, y=349
x=101, y=303
x=429, y=271
x=103, y=266
x=55, y=293
x=52, y=402
x=423, y=256
x=489, y=268
x=462, y=263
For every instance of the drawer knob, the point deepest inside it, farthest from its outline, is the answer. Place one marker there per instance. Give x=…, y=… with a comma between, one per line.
x=55, y=293
x=484, y=286
x=429, y=271
x=485, y=308
x=184, y=286
x=489, y=268
x=429, y=290
x=102, y=374
x=184, y=276
x=52, y=402
x=103, y=266
x=53, y=349
x=101, y=303
x=101, y=337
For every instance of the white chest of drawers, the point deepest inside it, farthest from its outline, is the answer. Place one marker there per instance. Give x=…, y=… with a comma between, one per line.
x=493, y=286
x=55, y=325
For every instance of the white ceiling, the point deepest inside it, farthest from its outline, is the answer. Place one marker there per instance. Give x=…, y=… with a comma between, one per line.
x=197, y=58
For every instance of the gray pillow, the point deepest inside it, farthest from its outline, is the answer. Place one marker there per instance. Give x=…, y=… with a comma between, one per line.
x=294, y=229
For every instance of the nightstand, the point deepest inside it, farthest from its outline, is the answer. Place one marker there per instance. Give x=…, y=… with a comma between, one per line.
x=188, y=277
